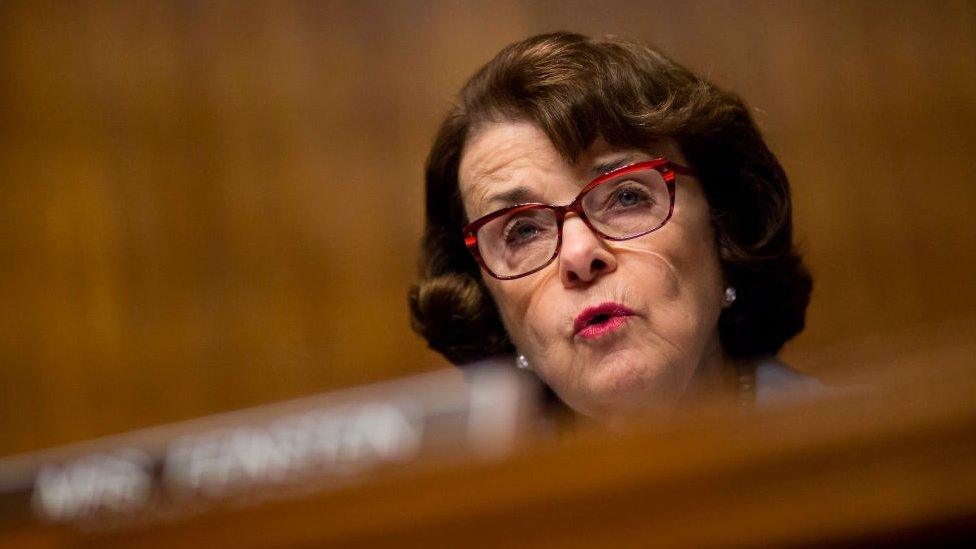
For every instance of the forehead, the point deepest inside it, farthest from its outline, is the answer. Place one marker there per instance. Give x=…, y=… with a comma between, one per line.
x=496, y=151
x=504, y=155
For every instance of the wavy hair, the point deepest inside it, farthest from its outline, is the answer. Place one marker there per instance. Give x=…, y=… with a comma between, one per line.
x=577, y=89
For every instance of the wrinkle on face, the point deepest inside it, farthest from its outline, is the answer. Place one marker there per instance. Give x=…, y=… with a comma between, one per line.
x=672, y=282
x=485, y=171
x=522, y=308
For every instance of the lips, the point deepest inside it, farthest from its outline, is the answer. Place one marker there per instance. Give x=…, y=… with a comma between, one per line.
x=600, y=320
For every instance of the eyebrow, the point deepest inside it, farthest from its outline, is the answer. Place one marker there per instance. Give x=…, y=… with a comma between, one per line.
x=610, y=165
x=517, y=195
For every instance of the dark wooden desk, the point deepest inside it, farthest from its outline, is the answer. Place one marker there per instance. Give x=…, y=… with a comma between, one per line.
x=896, y=465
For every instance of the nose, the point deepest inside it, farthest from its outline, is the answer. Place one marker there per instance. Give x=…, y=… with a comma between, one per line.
x=584, y=256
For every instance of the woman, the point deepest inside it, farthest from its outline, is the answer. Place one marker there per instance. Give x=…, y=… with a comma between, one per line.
x=616, y=224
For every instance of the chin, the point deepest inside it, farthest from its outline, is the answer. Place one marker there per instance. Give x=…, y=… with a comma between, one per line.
x=627, y=380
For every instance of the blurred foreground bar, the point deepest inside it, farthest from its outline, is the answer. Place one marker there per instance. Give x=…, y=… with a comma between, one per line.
x=150, y=478
x=896, y=464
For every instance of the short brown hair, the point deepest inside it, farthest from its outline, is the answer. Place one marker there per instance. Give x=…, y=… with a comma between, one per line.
x=577, y=89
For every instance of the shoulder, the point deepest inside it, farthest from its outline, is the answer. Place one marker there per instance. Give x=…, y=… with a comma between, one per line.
x=777, y=383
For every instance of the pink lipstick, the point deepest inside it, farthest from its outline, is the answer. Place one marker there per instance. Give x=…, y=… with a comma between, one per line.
x=600, y=320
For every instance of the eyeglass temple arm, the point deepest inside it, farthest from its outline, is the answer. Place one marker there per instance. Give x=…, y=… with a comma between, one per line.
x=681, y=169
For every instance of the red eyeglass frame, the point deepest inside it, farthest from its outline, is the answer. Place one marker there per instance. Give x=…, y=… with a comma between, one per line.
x=665, y=167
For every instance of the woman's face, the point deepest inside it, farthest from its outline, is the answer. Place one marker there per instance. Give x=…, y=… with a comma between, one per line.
x=665, y=288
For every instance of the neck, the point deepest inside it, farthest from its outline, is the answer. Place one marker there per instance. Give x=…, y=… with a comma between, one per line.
x=717, y=377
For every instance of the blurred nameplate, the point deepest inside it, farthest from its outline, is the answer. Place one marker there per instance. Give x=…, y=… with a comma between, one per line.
x=271, y=452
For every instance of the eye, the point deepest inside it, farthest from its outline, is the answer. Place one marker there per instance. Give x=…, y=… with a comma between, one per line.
x=521, y=230
x=629, y=196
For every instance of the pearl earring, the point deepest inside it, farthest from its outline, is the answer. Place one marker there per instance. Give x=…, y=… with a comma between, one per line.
x=522, y=362
x=729, y=298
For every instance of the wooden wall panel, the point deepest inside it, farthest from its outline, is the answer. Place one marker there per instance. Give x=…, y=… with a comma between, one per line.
x=205, y=206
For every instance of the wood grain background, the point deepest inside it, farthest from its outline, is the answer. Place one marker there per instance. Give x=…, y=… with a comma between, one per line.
x=211, y=205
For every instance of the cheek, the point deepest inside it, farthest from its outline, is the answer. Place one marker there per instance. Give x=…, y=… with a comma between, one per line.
x=687, y=246
x=548, y=314
x=513, y=299
x=678, y=279
x=522, y=306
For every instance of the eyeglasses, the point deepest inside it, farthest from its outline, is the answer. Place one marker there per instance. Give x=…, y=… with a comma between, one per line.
x=626, y=203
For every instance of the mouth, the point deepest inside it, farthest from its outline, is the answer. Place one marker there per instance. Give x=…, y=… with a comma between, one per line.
x=601, y=320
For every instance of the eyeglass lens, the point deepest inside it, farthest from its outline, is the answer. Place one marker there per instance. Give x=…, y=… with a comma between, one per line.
x=621, y=207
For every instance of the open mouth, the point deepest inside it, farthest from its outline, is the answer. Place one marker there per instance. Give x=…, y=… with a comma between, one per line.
x=600, y=320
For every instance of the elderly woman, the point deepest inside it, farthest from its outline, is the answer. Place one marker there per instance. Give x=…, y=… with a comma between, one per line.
x=613, y=223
